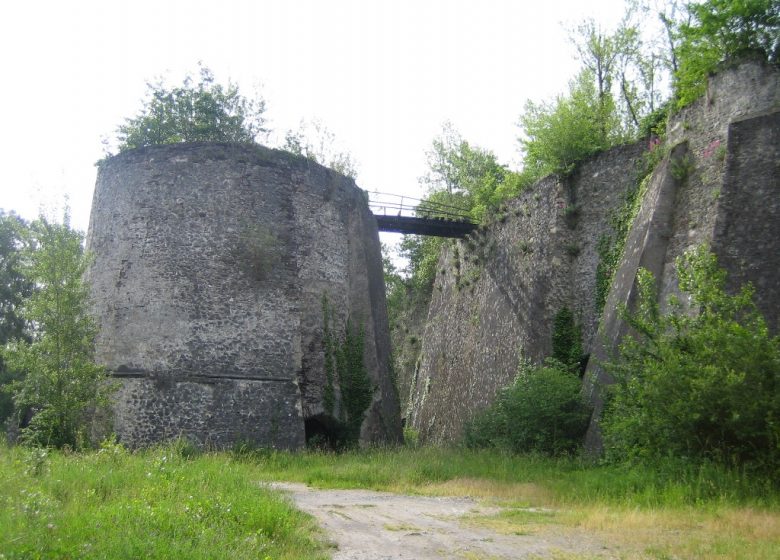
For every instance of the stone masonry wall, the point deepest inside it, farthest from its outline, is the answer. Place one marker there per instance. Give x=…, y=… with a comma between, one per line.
x=494, y=303
x=496, y=295
x=719, y=186
x=211, y=263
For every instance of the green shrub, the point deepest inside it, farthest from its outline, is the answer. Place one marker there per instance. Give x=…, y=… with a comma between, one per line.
x=654, y=123
x=705, y=386
x=542, y=411
x=411, y=437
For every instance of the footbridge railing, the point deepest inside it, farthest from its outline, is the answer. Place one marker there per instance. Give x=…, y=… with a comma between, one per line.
x=404, y=214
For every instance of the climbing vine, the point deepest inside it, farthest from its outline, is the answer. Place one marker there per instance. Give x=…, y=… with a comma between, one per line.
x=345, y=368
x=329, y=346
x=356, y=387
x=610, y=246
x=567, y=339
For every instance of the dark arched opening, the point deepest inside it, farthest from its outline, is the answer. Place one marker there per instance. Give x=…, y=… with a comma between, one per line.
x=323, y=432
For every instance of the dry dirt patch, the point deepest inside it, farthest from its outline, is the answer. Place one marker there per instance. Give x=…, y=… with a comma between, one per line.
x=369, y=525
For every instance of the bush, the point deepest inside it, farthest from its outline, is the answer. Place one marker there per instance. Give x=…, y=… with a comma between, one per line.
x=542, y=411
x=704, y=386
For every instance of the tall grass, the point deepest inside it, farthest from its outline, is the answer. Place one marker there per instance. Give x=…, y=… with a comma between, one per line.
x=174, y=502
x=155, y=504
x=671, y=509
x=567, y=480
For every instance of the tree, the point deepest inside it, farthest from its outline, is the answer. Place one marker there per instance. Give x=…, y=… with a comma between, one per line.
x=607, y=56
x=461, y=178
x=395, y=286
x=671, y=14
x=194, y=112
x=316, y=142
x=558, y=135
x=702, y=386
x=422, y=253
x=14, y=288
x=467, y=176
x=62, y=382
x=719, y=30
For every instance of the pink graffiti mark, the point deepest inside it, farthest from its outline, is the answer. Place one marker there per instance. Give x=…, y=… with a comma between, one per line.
x=654, y=143
x=710, y=149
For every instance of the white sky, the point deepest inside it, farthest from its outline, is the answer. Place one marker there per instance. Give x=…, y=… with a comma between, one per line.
x=382, y=76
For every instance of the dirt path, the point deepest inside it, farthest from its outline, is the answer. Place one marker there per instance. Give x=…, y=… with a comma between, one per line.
x=369, y=525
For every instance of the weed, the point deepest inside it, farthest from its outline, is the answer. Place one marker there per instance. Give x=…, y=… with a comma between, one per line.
x=411, y=437
x=571, y=215
x=524, y=247
x=35, y=461
x=572, y=249
x=682, y=168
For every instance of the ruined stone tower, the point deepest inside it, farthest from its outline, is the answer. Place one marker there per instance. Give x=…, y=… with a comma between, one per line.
x=212, y=266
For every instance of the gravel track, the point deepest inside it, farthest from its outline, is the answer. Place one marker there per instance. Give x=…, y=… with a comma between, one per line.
x=369, y=525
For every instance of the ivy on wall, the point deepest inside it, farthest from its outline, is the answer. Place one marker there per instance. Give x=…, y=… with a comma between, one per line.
x=567, y=340
x=346, y=370
x=610, y=246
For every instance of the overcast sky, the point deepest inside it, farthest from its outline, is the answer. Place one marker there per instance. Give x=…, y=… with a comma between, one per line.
x=382, y=76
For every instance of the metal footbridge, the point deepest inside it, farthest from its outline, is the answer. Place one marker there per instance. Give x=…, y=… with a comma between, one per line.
x=404, y=214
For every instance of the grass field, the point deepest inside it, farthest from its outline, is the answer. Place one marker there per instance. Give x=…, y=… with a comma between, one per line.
x=156, y=504
x=171, y=502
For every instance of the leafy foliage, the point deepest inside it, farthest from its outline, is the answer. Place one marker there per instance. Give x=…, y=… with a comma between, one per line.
x=464, y=177
x=567, y=340
x=345, y=368
x=610, y=246
x=61, y=381
x=314, y=141
x=625, y=69
x=330, y=349
x=558, y=135
x=467, y=176
x=542, y=411
x=14, y=288
x=204, y=111
x=395, y=286
x=719, y=30
x=703, y=386
x=423, y=255
x=357, y=391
